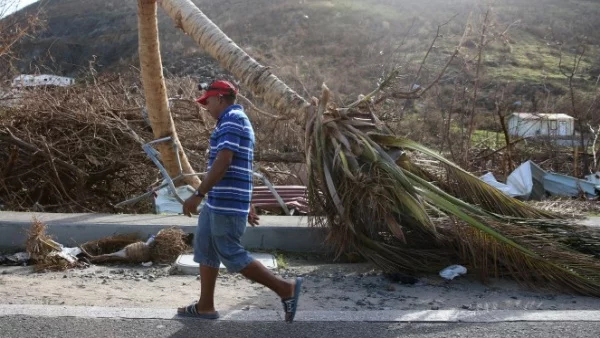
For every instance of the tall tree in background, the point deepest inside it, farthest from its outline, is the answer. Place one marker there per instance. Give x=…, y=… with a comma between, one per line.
x=155, y=91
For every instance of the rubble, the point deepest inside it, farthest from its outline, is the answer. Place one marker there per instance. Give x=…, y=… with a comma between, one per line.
x=45, y=254
x=530, y=182
x=19, y=258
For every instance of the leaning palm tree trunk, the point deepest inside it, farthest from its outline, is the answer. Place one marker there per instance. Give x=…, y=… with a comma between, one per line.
x=232, y=58
x=375, y=200
x=156, y=92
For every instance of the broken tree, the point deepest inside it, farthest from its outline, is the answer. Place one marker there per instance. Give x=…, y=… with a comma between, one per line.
x=401, y=215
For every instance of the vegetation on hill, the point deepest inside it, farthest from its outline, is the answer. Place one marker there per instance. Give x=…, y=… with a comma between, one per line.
x=508, y=60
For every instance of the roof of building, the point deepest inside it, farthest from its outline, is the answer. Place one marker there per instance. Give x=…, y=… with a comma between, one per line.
x=541, y=116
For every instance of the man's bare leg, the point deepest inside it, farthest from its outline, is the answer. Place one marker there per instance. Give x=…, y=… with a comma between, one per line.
x=259, y=273
x=208, y=279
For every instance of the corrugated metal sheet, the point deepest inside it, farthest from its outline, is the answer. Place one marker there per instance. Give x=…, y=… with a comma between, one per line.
x=562, y=185
x=294, y=197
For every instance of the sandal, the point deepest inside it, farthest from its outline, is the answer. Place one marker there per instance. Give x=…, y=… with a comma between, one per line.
x=290, y=305
x=190, y=311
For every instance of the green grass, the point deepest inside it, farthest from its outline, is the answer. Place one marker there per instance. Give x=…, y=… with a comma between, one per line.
x=491, y=139
x=280, y=257
x=281, y=260
x=527, y=58
x=382, y=11
x=484, y=138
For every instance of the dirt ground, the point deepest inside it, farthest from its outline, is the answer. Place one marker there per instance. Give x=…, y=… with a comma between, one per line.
x=327, y=287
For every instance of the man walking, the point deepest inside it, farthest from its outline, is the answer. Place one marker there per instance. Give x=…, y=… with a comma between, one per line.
x=222, y=220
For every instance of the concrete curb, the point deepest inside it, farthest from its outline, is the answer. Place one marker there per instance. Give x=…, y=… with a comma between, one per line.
x=391, y=316
x=287, y=233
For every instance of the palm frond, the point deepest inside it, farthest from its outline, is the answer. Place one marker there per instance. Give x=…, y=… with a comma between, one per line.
x=546, y=264
x=465, y=185
x=406, y=218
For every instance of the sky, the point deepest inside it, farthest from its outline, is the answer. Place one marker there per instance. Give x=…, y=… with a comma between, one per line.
x=14, y=5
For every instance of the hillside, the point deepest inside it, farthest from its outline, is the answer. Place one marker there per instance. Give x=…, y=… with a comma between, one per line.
x=345, y=43
x=348, y=44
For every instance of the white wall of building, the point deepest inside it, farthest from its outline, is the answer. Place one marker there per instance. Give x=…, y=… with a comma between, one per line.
x=531, y=125
x=41, y=80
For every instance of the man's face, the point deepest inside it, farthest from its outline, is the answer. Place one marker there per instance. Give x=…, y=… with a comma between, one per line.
x=214, y=106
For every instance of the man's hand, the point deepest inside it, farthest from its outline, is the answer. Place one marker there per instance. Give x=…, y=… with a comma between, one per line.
x=190, y=205
x=253, y=217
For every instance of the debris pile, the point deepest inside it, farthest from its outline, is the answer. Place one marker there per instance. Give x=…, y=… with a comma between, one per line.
x=58, y=146
x=45, y=254
x=530, y=182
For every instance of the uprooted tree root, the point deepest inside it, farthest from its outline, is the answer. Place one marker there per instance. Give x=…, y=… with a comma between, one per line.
x=168, y=245
x=42, y=250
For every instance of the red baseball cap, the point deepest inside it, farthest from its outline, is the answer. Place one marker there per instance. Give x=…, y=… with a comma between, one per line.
x=217, y=88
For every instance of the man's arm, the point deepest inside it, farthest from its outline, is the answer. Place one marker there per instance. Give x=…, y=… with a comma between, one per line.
x=217, y=171
x=214, y=175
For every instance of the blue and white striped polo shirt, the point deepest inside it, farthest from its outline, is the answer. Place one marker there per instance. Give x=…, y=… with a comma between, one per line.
x=232, y=195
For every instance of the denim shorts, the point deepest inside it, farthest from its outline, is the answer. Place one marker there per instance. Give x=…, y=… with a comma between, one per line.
x=218, y=240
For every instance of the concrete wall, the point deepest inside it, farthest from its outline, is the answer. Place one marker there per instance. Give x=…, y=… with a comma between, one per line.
x=286, y=233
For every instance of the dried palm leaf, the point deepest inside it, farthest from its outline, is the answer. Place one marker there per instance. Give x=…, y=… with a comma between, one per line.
x=39, y=245
x=44, y=251
x=389, y=209
x=465, y=185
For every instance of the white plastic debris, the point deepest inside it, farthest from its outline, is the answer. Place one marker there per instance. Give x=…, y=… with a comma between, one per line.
x=167, y=203
x=453, y=271
x=520, y=183
x=150, y=240
x=147, y=264
x=70, y=254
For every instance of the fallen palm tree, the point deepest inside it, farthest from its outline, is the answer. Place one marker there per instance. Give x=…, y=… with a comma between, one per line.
x=405, y=218
x=374, y=200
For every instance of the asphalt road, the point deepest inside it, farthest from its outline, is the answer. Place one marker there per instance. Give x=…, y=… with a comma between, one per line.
x=61, y=327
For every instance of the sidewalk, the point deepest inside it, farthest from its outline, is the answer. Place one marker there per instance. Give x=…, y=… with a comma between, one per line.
x=327, y=287
x=288, y=233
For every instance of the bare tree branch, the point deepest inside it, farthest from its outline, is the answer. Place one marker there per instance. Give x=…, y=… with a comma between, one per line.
x=437, y=35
